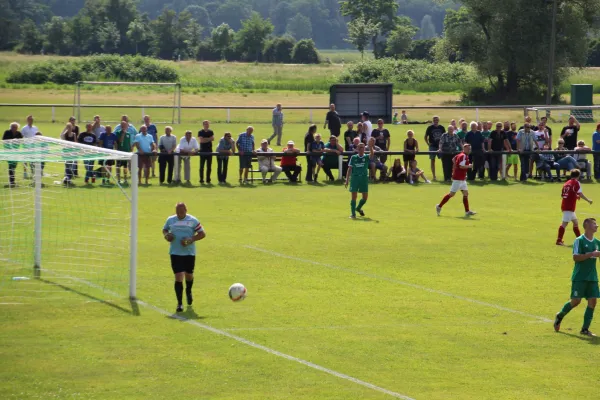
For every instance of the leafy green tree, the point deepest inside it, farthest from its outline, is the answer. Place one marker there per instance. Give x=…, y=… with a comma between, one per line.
x=32, y=39
x=422, y=49
x=137, y=33
x=109, y=37
x=201, y=16
x=232, y=13
x=56, y=36
x=165, y=41
x=250, y=39
x=400, y=40
x=299, y=27
x=280, y=15
x=360, y=33
x=193, y=39
x=79, y=34
x=279, y=50
x=427, y=30
x=305, y=52
x=222, y=38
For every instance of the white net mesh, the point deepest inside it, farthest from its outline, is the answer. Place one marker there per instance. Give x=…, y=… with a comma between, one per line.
x=85, y=228
x=562, y=114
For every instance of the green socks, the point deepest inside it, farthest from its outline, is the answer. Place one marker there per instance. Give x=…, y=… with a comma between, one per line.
x=587, y=317
x=361, y=203
x=565, y=310
x=353, y=206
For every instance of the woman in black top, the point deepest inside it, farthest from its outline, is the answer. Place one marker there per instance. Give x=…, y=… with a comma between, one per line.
x=308, y=139
x=333, y=121
x=69, y=135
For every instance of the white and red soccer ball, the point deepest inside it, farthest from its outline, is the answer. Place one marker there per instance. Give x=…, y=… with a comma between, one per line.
x=237, y=292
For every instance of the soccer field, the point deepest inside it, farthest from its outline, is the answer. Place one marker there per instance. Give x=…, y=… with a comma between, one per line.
x=402, y=303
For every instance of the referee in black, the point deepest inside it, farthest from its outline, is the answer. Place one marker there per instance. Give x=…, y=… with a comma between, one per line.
x=182, y=230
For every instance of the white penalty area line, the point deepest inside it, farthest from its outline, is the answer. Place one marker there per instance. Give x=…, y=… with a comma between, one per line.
x=399, y=282
x=275, y=352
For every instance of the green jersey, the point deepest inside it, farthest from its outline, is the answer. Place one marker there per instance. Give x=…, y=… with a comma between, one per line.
x=585, y=270
x=461, y=134
x=126, y=144
x=360, y=165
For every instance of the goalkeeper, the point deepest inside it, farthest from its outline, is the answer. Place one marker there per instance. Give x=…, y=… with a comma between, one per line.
x=182, y=230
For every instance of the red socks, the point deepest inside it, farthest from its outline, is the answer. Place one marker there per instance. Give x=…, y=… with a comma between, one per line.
x=445, y=200
x=466, y=203
x=561, y=233
x=576, y=231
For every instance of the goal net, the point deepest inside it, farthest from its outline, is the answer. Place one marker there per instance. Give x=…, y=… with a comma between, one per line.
x=111, y=100
x=58, y=236
x=562, y=113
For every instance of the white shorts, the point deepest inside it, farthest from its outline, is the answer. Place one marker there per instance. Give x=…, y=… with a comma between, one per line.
x=458, y=185
x=569, y=216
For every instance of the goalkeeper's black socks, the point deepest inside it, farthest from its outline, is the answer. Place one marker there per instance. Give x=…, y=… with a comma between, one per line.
x=188, y=291
x=179, y=292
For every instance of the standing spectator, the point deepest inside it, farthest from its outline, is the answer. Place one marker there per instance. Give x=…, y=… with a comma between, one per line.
x=581, y=157
x=433, y=134
x=498, y=143
x=333, y=121
x=566, y=162
x=367, y=125
x=411, y=146
x=152, y=131
x=288, y=162
x=532, y=126
x=349, y=136
x=541, y=138
x=125, y=118
x=596, y=149
x=266, y=162
x=526, y=143
x=398, y=172
x=309, y=138
x=76, y=130
x=316, y=150
x=569, y=133
x=462, y=133
x=88, y=137
x=205, y=137
x=545, y=164
x=277, y=123
x=544, y=121
x=487, y=126
x=166, y=146
x=12, y=133
x=331, y=154
x=382, y=139
x=360, y=133
x=245, y=147
x=69, y=135
x=97, y=128
x=130, y=129
x=126, y=135
x=107, y=140
x=28, y=131
x=225, y=149
x=513, y=158
x=450, y=145
x=146, y=148
x=188, y=146
x=475, y=139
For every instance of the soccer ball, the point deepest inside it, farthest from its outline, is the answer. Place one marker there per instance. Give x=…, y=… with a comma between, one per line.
x=237, y=292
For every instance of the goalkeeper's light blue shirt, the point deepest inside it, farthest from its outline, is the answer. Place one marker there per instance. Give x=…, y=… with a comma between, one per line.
x=183, y=228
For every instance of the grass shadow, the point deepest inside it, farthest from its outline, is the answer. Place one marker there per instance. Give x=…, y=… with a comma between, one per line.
x=595, y=340
x=135, y=310
x=188, y=314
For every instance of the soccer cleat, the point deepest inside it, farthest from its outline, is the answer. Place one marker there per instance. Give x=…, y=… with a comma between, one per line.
x=587, y=332
x=557, y=322
x=190, y=299
x=560, y=242
x=438, y=209
x=469, y=213
x=352, y=217
x=93, y=180
x=361, y=212
x=179, y=308
x=427, y=181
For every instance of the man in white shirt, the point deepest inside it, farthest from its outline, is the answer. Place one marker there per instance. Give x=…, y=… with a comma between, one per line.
x=368, y=126
x=267, y=163
x=188, y=145
x=28, y=131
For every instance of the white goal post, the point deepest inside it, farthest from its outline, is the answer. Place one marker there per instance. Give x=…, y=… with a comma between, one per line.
x=175, y=106
x=562, y=113
x=75, y=233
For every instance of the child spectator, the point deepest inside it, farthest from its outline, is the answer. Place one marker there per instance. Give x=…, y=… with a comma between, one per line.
x=316, y=150
x=411, y=146
x=545, y=163
x=414, y=173
x=404, y=118
x=395, y=119
x=398, y=172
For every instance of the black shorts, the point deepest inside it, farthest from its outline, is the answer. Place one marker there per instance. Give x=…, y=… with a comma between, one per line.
x=123, y=163
x=107, y=162
x=183, y=263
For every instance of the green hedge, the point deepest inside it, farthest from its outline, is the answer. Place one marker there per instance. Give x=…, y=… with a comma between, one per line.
x=100, y=67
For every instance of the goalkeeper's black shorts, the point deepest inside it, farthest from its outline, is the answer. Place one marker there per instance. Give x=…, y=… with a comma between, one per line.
x=183, y=263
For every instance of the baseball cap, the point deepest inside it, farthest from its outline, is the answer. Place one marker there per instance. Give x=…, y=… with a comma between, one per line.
x=291, y=142
x=365, y=113
x=264, y=141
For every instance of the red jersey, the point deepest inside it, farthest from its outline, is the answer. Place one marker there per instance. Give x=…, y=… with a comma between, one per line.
x=460, y=174
x=570, y=195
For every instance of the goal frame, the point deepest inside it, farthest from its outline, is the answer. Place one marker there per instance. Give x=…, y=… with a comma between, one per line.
x=38, y=195
x=176, y=106
x=547, y=110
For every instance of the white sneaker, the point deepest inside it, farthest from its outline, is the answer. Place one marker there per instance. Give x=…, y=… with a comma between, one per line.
x=438, y=209
x=427, y=181
x=469, y=213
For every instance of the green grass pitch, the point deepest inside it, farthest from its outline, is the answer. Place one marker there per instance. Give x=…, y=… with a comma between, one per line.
x=422, y=306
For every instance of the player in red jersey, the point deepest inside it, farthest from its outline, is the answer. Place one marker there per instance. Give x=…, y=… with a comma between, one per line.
x=571, y=192
x=460, y=166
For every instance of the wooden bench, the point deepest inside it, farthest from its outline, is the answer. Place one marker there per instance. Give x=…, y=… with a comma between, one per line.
x=254, y=169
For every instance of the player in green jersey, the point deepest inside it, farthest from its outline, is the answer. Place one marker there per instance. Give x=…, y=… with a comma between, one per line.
x=585, y=277
x=358, y=169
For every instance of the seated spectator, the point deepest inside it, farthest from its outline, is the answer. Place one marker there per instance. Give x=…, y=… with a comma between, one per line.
x=545, y=163
x=411, y=146
x=188, y=145
x=395, y=120
x=566, y=162
x=375, y=163
x=414, y=173
x=581, y=157
x=361, y=132
x=266, y=163
x=404, y=118
x=331, y=154
x=349, y=136
x=398, y=172
x=316, y=151
x=288, y=162
x=355, y=144
x=225, y=149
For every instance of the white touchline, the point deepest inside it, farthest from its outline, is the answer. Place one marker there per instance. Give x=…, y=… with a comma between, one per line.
x=255, y=345
x=275, y=352
x=391, y=280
